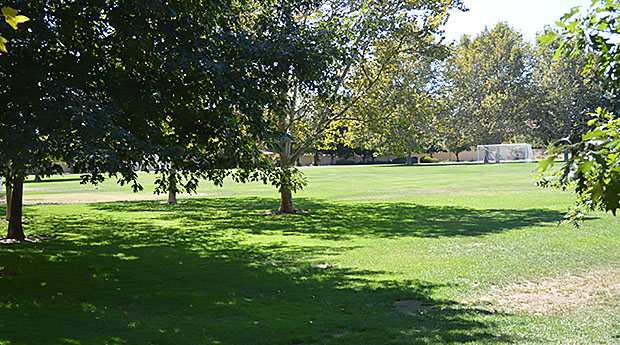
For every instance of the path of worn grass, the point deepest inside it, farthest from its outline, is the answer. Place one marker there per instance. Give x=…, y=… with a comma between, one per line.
x=218, y=270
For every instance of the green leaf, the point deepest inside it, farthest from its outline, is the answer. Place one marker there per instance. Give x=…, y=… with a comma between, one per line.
x=568, y=15
x=2, y=44
x=546, y=164
x=12, y=18
x=594, y=134
x=586, y=166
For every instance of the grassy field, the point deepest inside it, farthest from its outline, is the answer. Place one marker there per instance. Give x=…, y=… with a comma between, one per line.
x=443, y=254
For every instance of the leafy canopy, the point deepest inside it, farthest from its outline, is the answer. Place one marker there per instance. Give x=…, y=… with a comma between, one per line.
x=593, y=170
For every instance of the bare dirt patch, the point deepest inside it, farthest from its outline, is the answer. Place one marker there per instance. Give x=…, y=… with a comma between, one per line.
x=569, y=293
x=4, y=220
x=172, y=203
x=7, y=273
x=409, y=305
x=283, y=214
x=31, y=239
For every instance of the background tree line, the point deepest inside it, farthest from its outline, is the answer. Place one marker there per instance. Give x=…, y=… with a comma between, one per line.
x=489, y=89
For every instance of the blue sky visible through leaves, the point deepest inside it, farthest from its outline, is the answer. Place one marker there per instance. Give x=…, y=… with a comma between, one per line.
x=527, y=16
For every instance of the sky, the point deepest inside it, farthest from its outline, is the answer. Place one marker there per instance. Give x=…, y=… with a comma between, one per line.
x=527, y=16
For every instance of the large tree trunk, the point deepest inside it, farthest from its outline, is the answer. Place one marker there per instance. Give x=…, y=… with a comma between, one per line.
x=286, y=202
x=172, y=187
x=16, y=231
x=9, y=194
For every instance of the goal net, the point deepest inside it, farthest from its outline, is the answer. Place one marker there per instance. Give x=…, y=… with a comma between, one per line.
x=499, y=153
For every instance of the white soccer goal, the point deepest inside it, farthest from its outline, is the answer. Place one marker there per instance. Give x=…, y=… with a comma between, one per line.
x=499, y=153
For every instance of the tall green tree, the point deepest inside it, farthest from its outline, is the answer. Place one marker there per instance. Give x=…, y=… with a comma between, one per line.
x=565, y=95
x=488, y=81
x=333, y=53
x=109, y=86
x=203, y=75
x=399, y=116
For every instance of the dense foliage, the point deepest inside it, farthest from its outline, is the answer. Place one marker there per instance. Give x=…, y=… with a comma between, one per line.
x=593, y=170
x=109, y=86
x=352, y=43
x=492, y=88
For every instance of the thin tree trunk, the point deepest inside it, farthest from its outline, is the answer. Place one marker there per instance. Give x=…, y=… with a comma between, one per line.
x=172, y=187
x=286, y=196
x=457, y=155
x=316, y=158
x=9, y=194
x=16, y=231
x=408, y=162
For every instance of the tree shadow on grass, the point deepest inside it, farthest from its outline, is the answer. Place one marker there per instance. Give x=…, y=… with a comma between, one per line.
x=338, y=221
x=117, y=281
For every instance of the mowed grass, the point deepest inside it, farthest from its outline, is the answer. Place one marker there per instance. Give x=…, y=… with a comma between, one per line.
x=433, y=254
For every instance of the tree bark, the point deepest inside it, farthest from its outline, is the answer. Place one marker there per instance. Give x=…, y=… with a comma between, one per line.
x=172, y=187
x=286, y=202
x=286, y=195
x=316, y=158
x=16, y=231
x=457, y=155
x=9, y=195
x=408, y=162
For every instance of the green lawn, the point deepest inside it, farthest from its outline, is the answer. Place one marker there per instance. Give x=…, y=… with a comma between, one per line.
x=435, y=254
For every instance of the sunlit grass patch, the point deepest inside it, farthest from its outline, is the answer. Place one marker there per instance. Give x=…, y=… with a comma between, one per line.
x=412, y=268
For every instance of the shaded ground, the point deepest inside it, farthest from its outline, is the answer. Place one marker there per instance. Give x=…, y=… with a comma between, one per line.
x=105, y=280
x=340, y=221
